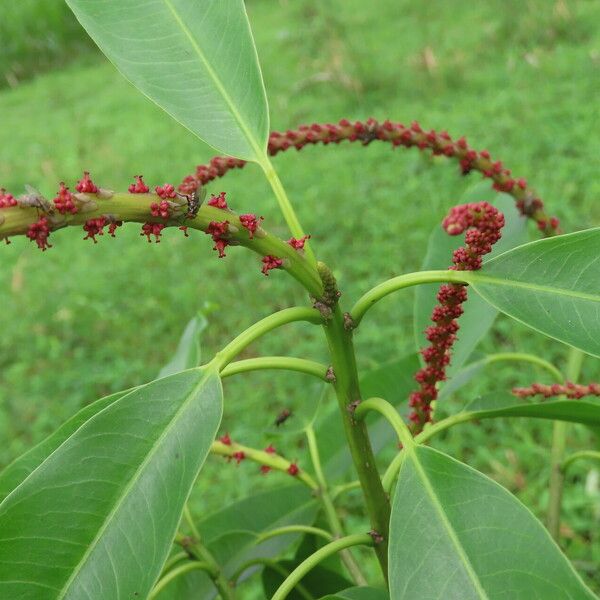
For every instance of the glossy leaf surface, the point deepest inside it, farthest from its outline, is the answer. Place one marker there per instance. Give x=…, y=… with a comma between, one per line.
x=458, y=535
x=97, y=517
x=194, y=58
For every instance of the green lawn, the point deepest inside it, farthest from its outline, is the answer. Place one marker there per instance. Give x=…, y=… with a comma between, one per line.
x=518, y=78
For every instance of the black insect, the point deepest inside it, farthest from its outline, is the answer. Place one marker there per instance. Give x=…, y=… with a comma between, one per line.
x=283, y=416
x=193, y=205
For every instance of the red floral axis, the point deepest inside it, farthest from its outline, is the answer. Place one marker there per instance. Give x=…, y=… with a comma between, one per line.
x=568, y=389
x=483, y=224
x=440, y=144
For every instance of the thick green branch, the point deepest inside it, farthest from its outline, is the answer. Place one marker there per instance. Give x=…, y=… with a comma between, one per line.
x=314, y=559
x=390, y=286
x=300, y=365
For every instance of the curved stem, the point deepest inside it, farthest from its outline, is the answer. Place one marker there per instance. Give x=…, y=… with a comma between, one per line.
x=385, y=409
x=374, y=295
x=294, y=529
x=346, y=487
x=187, y=515
x=173, y=561
x=314, y=559
x=273, y=461
x=390, y=473
x=589, y=454
x=267, y=562
x=557, y=454
x=330, y=513
x=523, y=357
x=256, y=331
x=177, y=572
x=289, y=214
x=347, y=391
x=310, y=367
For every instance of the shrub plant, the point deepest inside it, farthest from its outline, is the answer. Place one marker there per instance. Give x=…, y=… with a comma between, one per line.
x=98, y=510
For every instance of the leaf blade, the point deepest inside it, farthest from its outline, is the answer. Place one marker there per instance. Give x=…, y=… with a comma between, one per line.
x=197, y=61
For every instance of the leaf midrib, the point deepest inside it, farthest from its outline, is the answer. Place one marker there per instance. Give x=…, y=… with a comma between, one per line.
x=154, y=448
x=218, y=84
x=474, y=278
x=447, y=525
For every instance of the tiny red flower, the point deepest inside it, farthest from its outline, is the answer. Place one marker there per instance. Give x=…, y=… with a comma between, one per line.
x=238, y=456
x=217, y=229
x=218, y=201
x=112, y=227
x=298, y=244
x=6, y=199
x=264, y=469
x=251, y=223
x=160, y=209
x=270, y=449
x=65, y=201
x=166, y=191
x=270, y=262
x=293, y=470
x=154, y=229
x=86, y=185
x=225, y=439
x=39, y=232
x=139, y=187
x=94, y=227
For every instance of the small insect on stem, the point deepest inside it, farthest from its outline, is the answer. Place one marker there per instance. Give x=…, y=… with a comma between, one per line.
x=283, y=416
x=34, y=199
x=194, y=202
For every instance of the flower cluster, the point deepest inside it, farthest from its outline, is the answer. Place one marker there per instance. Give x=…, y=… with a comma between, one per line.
x=6, y=200
x=166, y=191
x=251, y=223
x=86, y=185
x=483, y=224
x=65, y=201
x=568, y=389
x=154, y=229
x=270, y=262
x=139, y=187
x=94, y=227
x=160, y=209
x=397, y=134
x=218, y=230
x=219, y=201
x=298, y=244
x=39, y=232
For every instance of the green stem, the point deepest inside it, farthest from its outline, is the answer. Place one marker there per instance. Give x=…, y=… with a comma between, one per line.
x=196, y=549
x=177, y=572
x=591, y=454
x=173, y=561
x=521, y=357
x=314, y=559
x=385, y=409
x=287, y=315
x=187, y=515
x=390, y=286
x=345, y=487
x=294, y=529
x=390, y=473
x=347, y=391
x=289, y=214
x=330, y=513
x=310, y=367
x=276, y=567
x=557, y=454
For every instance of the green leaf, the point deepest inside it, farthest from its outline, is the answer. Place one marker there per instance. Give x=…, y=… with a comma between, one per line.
x=359, y=593
x=479, y=315
x=196, y=59
x=584, y=410
x=97, y=517
x=22, y=466
x=551, y=285
x=188, y=353
x=456, y=534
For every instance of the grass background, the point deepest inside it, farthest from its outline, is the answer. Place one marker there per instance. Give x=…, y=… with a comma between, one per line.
x=518, y=77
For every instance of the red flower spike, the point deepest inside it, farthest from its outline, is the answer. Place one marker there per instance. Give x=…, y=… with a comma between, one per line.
x=270, y=262
x=6, y=200
x=568, y=389
x=238, y=456
x=65, y=201
x=218, y=201
x=482, y=223
x=165, y=191
x=154, y=229
x=293, y=470
x=225, y=439
x=86, y=185
x=94, y=227
x=39, y=232
x=139, y=187
x=251, y=223
x=160, y=209
x=298, y=244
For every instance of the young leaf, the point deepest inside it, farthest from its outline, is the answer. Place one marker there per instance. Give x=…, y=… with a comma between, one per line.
x=195, y=59
x=479, y=315
x=22, y=466
x=97, y=517
x=359, y=593
x=455, y=533
x=551, y=285
x=188, y=353
x=584, y=410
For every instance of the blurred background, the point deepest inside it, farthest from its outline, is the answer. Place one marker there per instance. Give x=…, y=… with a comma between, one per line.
x=520, y=78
